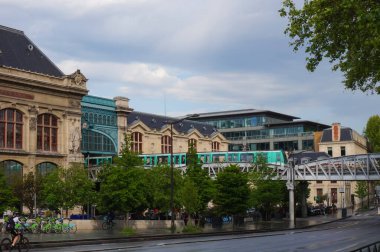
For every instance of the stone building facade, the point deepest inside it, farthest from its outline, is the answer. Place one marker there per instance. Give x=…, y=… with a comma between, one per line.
x=40, y=108
x=338, y=141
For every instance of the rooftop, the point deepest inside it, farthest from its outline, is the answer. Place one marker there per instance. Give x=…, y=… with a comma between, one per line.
x=19, y=52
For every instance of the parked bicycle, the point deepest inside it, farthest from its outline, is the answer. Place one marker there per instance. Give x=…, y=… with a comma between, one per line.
x=108, y=223
x=22, y=245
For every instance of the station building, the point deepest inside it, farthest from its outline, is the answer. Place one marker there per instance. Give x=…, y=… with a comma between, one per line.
x=40, y=108
x=47, y=118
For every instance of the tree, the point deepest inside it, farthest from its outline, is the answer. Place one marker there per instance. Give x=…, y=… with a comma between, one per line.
x=28, y=189
x=266, y=191
x=345, y=32
x=361, y=191
x=66, y=188
x=372, y=132
x=7, y=199
x=124, y=185
x=123, y=190
x=232, y=192
x=199, y=178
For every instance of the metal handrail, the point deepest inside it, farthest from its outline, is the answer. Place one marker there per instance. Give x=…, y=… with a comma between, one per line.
x=373, y=247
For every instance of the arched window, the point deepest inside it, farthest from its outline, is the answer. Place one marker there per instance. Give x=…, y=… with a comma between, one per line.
x=11, y=125
x=136, y=142
x=45, y=168
x=192, y=143
x=96, y=142
x=166, y=144
x=11, y=169
x=47, y=132
x=215, y=146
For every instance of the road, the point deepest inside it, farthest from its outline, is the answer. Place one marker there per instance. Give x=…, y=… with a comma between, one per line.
x=344, y=235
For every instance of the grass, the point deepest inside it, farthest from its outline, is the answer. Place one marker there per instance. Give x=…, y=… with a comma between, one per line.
x=191, y=229
x=128, y=231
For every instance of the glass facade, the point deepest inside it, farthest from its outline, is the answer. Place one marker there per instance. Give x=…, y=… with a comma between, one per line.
x=228, y=123
x=290, y=131
x=95, y=142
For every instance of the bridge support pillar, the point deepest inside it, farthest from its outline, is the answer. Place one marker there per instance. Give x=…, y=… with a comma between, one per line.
x=290, y=187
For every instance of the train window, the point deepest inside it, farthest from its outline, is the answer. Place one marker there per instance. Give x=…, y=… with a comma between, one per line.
x=148, y=161
x=246, y=157
x=183, y=159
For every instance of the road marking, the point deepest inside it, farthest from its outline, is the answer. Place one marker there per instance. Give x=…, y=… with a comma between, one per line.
x=345, y=248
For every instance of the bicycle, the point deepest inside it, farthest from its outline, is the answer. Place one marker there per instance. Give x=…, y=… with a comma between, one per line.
x=22, y=245
x=108, y=224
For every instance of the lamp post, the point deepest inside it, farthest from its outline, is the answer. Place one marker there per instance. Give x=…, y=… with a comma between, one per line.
x=172, y=226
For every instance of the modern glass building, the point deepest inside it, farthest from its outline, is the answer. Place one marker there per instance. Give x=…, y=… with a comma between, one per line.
x=251, y=129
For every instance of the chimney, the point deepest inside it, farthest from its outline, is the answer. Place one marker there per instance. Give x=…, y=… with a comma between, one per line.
x=336, y=132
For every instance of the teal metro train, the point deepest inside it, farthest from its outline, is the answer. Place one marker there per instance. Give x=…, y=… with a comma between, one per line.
x=276, y=157
x=271, y=157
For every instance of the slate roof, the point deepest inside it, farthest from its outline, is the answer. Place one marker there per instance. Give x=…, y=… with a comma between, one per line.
x=345, y=135
x=158, y=122
x=18, y=51
x=242, y=112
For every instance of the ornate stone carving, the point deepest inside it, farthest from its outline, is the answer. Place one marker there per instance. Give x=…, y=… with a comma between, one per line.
x=33, y=123
x=75, y=140
x=78, y=79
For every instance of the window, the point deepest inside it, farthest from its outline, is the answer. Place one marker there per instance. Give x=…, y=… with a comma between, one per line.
x=47, y=132
x=192, y=143
x=329, y=151
x=11, y=125
x=11, y=169
x=45, y=168
x=96, y=142
x=166, y=144
x=215, y=146
x=342, y=151
x=136, y=142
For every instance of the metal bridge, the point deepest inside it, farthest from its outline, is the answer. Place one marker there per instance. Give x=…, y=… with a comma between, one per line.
x=347, y=168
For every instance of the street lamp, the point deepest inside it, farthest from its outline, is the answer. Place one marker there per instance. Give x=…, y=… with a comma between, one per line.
x=290, y=187
x=172, y=226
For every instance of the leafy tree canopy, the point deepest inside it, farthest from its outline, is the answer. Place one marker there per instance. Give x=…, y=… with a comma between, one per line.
x=232, y=191
x=345, y=32
x=372, y=132
x=7, y=200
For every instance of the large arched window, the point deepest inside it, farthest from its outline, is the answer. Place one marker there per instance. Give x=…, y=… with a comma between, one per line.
x=11, y=125
x=11, y=169
x=215, y=146
x=45, y=168
x=136, y=142
x=95, y=142
x=192, y=143
x=47, y=132
x=166, y=144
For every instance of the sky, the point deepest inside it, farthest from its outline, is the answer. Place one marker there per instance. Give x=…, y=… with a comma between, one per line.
x=178, y=57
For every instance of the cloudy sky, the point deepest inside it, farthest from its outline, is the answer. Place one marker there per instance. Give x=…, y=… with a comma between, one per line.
x=177, y=57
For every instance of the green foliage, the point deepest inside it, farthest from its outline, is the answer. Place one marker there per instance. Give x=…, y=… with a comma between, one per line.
x=7, y=199
x=345, y=32
x=232, y=191
x=66, y=188
x=160, y=188
x=29, y=188
x=199, y=184
x=372, y=132
x=191, y=229
x=266, y=192
x=190, y=197
x=128, y=231
x=123, y=190
x=361, y=190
